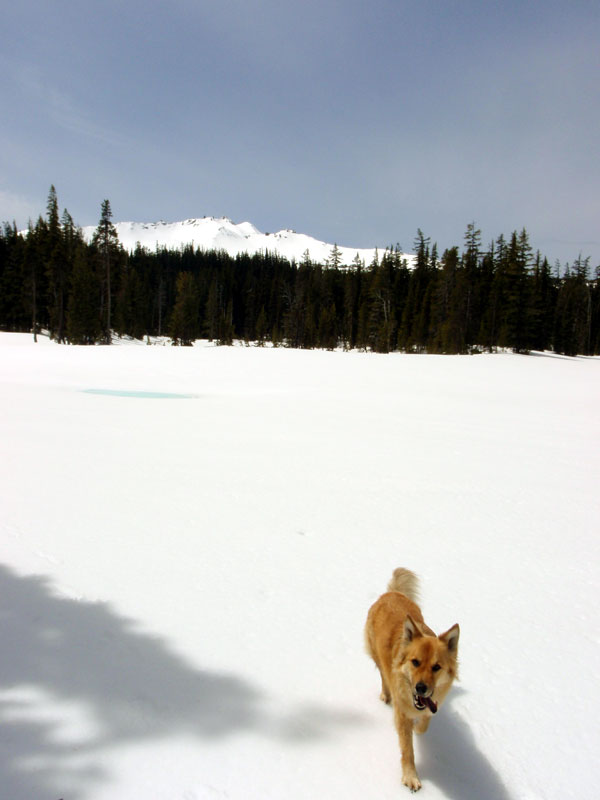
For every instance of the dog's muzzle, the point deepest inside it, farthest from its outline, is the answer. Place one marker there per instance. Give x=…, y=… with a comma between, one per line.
x=421, y=703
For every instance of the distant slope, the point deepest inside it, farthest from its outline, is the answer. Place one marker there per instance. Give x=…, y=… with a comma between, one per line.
x=211, y=233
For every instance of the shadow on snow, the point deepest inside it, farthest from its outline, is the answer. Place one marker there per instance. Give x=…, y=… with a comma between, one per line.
x=76, y=679
x=449, y=757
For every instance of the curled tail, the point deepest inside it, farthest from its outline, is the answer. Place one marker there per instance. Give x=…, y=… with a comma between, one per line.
x=405, y=581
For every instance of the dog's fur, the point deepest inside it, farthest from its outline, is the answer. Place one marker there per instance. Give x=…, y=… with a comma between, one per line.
x=417, y=667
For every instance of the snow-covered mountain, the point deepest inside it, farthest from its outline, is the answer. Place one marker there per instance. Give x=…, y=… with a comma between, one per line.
x=211, y=233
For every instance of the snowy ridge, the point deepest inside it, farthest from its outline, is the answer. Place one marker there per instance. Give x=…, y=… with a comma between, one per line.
x=220, y=233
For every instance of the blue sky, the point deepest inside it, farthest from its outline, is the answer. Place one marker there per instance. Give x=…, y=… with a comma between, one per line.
x=353, y=122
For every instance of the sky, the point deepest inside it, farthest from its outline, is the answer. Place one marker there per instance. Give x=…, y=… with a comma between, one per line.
x=357, y=123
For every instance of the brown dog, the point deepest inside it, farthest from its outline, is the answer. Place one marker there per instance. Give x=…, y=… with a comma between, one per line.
x=417, y=667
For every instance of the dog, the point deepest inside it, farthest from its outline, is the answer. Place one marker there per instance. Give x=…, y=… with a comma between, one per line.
x=417, y=667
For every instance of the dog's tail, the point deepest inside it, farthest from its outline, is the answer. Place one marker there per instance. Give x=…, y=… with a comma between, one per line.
x=405, y=581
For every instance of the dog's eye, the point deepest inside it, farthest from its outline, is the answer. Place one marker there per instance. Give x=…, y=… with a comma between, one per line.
x=415, y=662
x=435, y=668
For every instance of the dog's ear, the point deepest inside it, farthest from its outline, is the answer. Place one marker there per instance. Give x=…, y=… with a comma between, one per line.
x=411, y=629
x=450, y=638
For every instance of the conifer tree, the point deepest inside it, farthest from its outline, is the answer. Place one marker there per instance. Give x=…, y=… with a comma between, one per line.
x=516, y=331
x=447, y=329
x=15, y=291
x=542, y=304
x=129, y=313
x=470, y=269
x=335, y=259
x=184, y=320
x=32, y=269
x=382, y=321
x=594, y=286
x=261, y=327
x=106, y=243
x=212, y=311
x=227, y=329
x=56, y=269
x=83, y=324
x=352, y=289
x=411, y=330
x=573, y=319
x=327, y=335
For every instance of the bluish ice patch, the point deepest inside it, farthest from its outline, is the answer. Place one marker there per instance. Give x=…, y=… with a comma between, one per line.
x=143, y=395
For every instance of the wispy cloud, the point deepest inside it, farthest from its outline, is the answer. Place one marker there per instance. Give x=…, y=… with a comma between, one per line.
x=14, y=207
x=64, y=111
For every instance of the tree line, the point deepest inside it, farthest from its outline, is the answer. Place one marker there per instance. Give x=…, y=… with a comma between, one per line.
x=469, y=299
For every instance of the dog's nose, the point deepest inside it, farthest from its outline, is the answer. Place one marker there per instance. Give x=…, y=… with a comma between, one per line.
x=421, y=688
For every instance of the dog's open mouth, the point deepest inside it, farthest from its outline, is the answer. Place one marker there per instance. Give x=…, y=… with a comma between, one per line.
x=421, y=703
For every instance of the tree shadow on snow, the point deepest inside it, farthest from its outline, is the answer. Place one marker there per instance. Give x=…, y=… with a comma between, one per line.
x=77, y=679
x=548, y=354
x=448, y=756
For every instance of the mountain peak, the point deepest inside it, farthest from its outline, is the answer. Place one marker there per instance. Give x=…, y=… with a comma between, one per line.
x=220, y=233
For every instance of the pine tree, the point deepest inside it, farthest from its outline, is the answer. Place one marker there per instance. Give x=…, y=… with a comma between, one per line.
x=83, y=324
x=573, y=318
x=470, y=269
x=382, y=318
x=184, y=320
x=56, y=269
x=516, y=330
x=212, y=311
x=327, y=335
x=129, y=313
x=31, y=263
x=106, y=243
x=595, y=313
x=227, y=328
x=491, y=321
x=485, y=286
x=414, y=326
x=335, y=259
x=298, y=323
x=543, y=301
x=447, y=313
x=352, y=289
x=15, y=272
x=261, y=327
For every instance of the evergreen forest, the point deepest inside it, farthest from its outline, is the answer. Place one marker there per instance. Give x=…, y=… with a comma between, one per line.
x=470, y=298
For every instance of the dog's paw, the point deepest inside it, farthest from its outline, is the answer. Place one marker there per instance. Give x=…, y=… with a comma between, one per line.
x=385, y=698
x=411, y=779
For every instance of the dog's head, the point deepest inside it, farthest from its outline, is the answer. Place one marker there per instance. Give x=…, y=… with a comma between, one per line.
x=428, y=664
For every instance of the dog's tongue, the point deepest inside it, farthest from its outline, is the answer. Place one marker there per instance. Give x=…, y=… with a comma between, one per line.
x=429, y=703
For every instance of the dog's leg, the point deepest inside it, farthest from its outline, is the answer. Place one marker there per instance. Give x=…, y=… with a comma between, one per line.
x=422, y=724
x=404, y=727
x=385, y=692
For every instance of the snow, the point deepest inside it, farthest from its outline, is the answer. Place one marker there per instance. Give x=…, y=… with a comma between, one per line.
x=184, y=580
x=211, y=233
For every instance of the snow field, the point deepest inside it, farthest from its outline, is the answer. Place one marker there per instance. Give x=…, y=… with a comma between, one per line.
x=185, y=581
